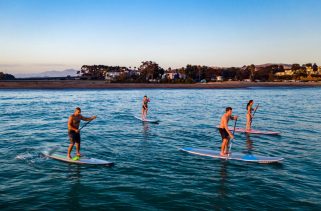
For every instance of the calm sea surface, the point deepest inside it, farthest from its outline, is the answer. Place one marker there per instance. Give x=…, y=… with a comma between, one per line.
x=150, y=173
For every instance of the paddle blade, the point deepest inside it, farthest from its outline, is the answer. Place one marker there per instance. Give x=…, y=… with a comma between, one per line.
x=53, y=150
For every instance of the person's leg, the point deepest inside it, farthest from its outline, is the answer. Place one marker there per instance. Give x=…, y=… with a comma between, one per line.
x=78, y=149
x=227, y=148
x=143, y=113
x=78, y=144
x=146, y=113
x=223, y=146
x=69, y=150
x=248, y=122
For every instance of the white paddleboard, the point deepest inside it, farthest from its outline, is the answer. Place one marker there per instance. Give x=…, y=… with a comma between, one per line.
x=253, y=131
x=82, y=160
x=147, y=120
x=233, y=155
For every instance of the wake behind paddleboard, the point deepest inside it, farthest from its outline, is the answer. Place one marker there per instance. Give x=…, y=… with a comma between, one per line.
x=233, y=156
x=252, y=131
x=81, y=160
x=147, y=120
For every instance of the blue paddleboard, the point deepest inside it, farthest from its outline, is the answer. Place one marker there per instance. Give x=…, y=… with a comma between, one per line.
x=233, y=155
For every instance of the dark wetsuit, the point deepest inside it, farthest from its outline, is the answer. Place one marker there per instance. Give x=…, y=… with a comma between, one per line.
x=223, y=133
x=145, y=106
x=73, y=136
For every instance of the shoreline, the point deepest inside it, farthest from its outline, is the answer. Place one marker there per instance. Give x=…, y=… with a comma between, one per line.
x=90, y=84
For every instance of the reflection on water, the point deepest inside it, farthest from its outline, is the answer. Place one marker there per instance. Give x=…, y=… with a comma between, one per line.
x=73, y=195
x=249, y=144
x=223, y=176
x=74, y=172
x=145, y=131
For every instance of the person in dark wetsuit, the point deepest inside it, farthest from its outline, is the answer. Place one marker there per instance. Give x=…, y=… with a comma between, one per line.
x=145, y=107
x=73, y=130
x=224, y=131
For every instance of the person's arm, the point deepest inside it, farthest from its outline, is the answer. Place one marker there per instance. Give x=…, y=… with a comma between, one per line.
x=70, y=126
x=233, y=117
x=88, y=119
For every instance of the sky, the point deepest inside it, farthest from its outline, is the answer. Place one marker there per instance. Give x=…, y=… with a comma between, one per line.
x=42, y=35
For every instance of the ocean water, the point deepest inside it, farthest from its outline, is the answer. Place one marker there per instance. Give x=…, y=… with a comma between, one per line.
x=150, y=173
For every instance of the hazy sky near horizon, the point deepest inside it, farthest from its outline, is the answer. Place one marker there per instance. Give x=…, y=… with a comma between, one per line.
x=41, y=35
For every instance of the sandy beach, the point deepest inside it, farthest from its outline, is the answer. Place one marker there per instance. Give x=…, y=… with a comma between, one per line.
x=76, y=84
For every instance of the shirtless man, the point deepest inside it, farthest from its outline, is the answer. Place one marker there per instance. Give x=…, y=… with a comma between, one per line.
x=74, y=132
x=225, y=132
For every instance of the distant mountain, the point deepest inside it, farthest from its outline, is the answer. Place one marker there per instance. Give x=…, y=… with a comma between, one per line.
x=53, y=73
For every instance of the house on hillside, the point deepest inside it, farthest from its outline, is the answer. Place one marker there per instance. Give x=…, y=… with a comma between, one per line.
x=134, y=72
x=173, y=74
x=287, y=71
x=219, y=78
x=114, y=73
x=111, y=75
x=181, y=75
x=309, y=70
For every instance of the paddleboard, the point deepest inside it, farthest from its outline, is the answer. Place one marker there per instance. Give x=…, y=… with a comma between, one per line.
x=233, y=155
x=81, y=160
x=147, y=120
x=252, y=131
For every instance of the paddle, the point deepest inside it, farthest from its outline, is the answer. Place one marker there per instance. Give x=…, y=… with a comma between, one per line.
x=229, y=151
x=53, y=150
x=254, y=112
x=85, y=124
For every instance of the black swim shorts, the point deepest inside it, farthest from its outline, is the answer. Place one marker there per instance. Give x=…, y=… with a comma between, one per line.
x=74, y=137
x=223, y=133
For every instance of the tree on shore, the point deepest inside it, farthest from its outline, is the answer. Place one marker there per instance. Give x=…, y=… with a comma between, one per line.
x=252, y=71
x=266, y=73
x=295, y=67
x=315, y=68
x=191, y=71
x=150, y=70
x=5, y=76
x=93, y=72
x=198, y=72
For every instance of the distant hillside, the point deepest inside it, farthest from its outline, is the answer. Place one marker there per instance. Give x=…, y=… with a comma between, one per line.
x=269, y=64
x=53, y=73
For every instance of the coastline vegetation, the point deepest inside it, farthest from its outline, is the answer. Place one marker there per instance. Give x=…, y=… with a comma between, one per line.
x=5, y=76
x=151, y=72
